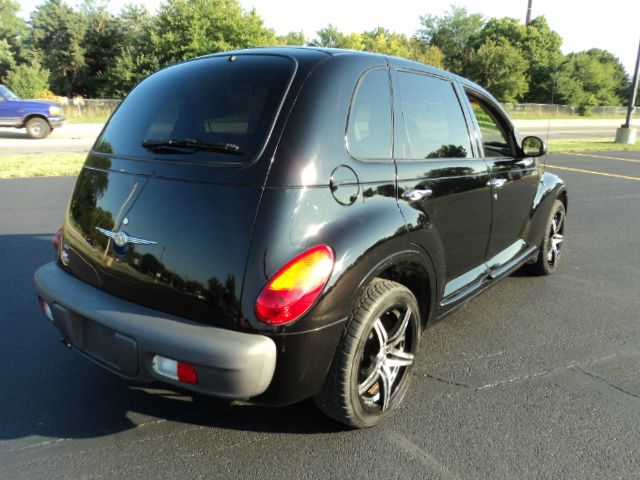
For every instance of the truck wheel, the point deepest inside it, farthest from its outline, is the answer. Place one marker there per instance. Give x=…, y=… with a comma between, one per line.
x=372, y=366
x=37, y=128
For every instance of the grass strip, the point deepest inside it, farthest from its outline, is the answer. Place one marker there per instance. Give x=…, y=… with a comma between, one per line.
x=42, y=165
x=589, y=145
x=89, y=118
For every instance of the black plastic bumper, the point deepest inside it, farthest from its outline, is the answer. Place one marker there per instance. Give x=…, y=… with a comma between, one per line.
x=124, y=337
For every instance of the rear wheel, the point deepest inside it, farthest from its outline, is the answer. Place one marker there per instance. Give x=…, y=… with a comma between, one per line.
x=370, y=372
x=552, y=243
x=37, y=127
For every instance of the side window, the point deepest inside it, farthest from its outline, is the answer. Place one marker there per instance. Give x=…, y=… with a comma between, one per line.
x=369, y=128
x=434, y=123
x=494, y=140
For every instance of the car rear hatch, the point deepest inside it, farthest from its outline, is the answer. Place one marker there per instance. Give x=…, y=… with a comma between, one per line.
x=163, y=210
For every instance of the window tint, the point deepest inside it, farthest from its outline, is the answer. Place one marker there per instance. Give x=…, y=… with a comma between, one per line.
x=214, y=101
x=495, y=142
x=434, y=122
x=369, y=130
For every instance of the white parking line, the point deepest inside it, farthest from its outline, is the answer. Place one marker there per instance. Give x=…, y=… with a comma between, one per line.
x=605, y=157
x=614, y=175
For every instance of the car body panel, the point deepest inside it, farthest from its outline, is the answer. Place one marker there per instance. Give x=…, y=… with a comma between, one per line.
x=216, y=233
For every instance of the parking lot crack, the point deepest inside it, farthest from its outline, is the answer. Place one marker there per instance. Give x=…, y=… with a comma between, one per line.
x=444, y=380
x=523, y=378
x=606, y=382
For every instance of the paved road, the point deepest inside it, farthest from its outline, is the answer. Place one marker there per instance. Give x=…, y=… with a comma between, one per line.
x=72, y=138
x=536, y=378
x=560, y=133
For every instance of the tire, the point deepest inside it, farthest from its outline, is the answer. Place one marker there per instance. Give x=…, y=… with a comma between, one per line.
x=371, y=370
x=552, y=243
x=37, y=127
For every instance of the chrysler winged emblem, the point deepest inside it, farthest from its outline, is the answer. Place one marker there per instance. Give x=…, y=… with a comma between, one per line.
x=121, y=238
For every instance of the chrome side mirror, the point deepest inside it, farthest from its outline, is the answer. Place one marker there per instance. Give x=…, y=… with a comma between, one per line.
x=533, y=146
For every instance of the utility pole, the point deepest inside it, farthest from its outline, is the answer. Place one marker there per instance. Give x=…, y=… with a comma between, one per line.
x=529, y=13
x=626, y=134
x=634, y=91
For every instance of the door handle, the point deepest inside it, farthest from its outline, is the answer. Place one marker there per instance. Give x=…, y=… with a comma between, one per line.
x=415, y=194
x=498, y=182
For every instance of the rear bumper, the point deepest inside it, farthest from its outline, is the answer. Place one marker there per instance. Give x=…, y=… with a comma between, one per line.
x=123, y=337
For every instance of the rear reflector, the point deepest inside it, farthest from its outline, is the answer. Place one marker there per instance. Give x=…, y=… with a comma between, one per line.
x=175, y=370
x=187, y=373
x=294, y=288
x=56, y=239
x=45, y=308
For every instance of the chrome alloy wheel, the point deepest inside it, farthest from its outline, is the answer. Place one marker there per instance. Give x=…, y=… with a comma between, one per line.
x=556, y=237
x=387, y=356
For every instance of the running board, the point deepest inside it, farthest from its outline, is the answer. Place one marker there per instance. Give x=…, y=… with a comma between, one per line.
x=512, y=264
x=478, y=285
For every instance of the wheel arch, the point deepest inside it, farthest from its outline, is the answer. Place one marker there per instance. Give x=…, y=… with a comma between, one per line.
x=412, y=268
x=35, y=115
x=550, y=188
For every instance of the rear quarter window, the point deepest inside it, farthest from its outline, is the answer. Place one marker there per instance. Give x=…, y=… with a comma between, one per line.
x=369, y=133
x=214, y=101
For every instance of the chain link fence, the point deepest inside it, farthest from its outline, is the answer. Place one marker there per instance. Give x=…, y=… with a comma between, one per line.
x=100, y=109
x=546, y=110
x=97, y=110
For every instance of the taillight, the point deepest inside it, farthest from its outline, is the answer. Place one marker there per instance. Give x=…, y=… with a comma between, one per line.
x=294, y=288
x=56, y=239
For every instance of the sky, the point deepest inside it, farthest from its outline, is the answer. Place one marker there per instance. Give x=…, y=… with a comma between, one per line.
x=613, y=25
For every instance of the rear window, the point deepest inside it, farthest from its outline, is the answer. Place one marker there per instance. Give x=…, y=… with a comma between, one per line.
x=218, y=109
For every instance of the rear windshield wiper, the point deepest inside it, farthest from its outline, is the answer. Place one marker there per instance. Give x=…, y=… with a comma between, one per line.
x=191, y=144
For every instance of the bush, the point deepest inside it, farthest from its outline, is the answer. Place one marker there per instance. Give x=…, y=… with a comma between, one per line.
x=584, y=109
x=28, y=81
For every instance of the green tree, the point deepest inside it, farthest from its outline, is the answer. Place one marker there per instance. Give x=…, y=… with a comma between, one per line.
x=12, y=27
x=28, y=81
x=102, y=43
x=56, y=33
x=501, y=69
x=453, y=33
x=188, y=28
x=383, y=41
x=590, y=78
x=7, y=60
x=12, y=32
x=429, y=54
x=331, y=37
x=136, y=57
x=291, y=38
x=538, y=44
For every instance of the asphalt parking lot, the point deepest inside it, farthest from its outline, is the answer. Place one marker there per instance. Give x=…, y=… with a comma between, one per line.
x=535, y=378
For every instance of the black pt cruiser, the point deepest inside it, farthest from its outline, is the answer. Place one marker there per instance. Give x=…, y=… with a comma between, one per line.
x=270, y=225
